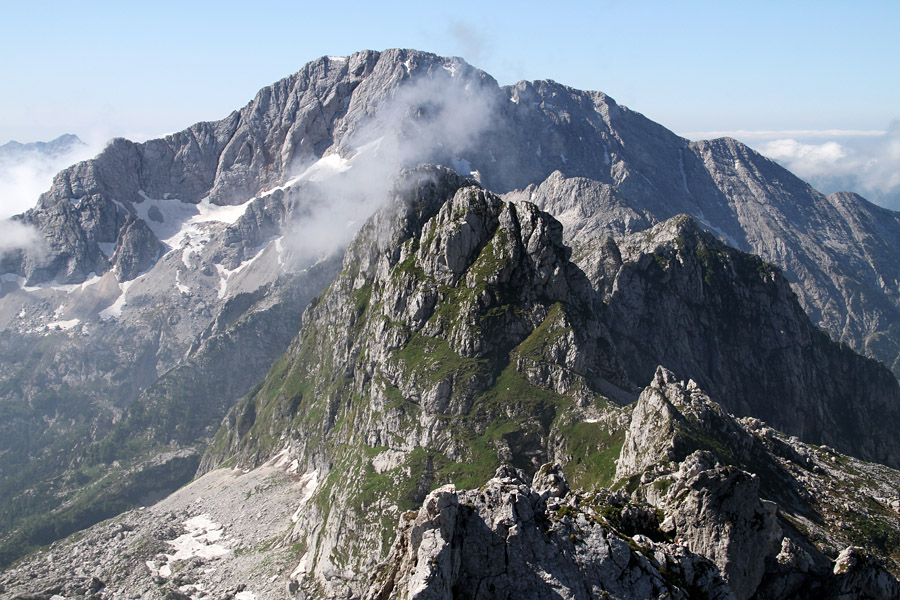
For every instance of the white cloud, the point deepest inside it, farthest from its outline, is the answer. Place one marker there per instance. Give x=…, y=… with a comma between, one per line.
x=26, y=175
x=15, y=235
x=769, y=134
x=868, y=164
x=806, y=158
x=435, y=117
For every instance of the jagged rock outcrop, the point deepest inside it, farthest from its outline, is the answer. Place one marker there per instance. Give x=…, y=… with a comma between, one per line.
x=506, y=540
x=759, y=505
x=711, y=534
x=458, y=331
x=838, y=251
x=677, y=296
x=597, y=165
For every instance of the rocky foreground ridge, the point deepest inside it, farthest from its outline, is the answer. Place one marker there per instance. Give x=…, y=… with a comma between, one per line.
x=704, y=506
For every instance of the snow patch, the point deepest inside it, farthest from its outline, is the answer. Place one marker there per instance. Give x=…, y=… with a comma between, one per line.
x=282, y=458
x=325, y=167
x=107, y=248
x=65, y=325
x=562, y=157
x=452, y=67
x=193, y=242
x=329, y=166
x=224, y=274
x=245, y=596
x=338, y=58
x=68, y=288
x=591, y=421
x=114, y=310
x=200, y=540
x=178, y=217
x=308, y=484
x=538, y=151
x=181, y=287
x=606, y=158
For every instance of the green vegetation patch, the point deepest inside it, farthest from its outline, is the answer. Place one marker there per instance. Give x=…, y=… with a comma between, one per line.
x=594, y=448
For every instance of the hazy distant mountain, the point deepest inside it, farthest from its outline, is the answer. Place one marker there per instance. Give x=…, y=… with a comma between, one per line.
x=833, y=184
x=65, y=143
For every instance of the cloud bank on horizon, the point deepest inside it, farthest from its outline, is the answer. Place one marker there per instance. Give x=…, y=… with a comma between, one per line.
x=867, y=165
x=863, y=161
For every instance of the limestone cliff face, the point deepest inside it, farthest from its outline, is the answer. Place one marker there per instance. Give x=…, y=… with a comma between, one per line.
x=706, y=506
x=457, y=336
x=675, y=295
x=597, y=165
x=694, y=521
x=837, y=251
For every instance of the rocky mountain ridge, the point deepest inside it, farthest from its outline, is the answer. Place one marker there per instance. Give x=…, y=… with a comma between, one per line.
x=459, y=335
x=13, y=150
x=461, y=331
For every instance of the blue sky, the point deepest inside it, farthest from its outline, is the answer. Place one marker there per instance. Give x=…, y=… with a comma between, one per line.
x=155, y=67
x=102, y=69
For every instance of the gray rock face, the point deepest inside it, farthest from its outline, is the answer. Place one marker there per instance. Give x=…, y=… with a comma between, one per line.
x=862, y=576
x=837, y=251
x=735, y=491
x=137, y=249
x=505, y=540
x=718, y=518
x=718, y=513
x=676, y=296
x=598, y=166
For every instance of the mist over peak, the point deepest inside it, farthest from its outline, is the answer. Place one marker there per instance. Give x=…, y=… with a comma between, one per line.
x=27, y=169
